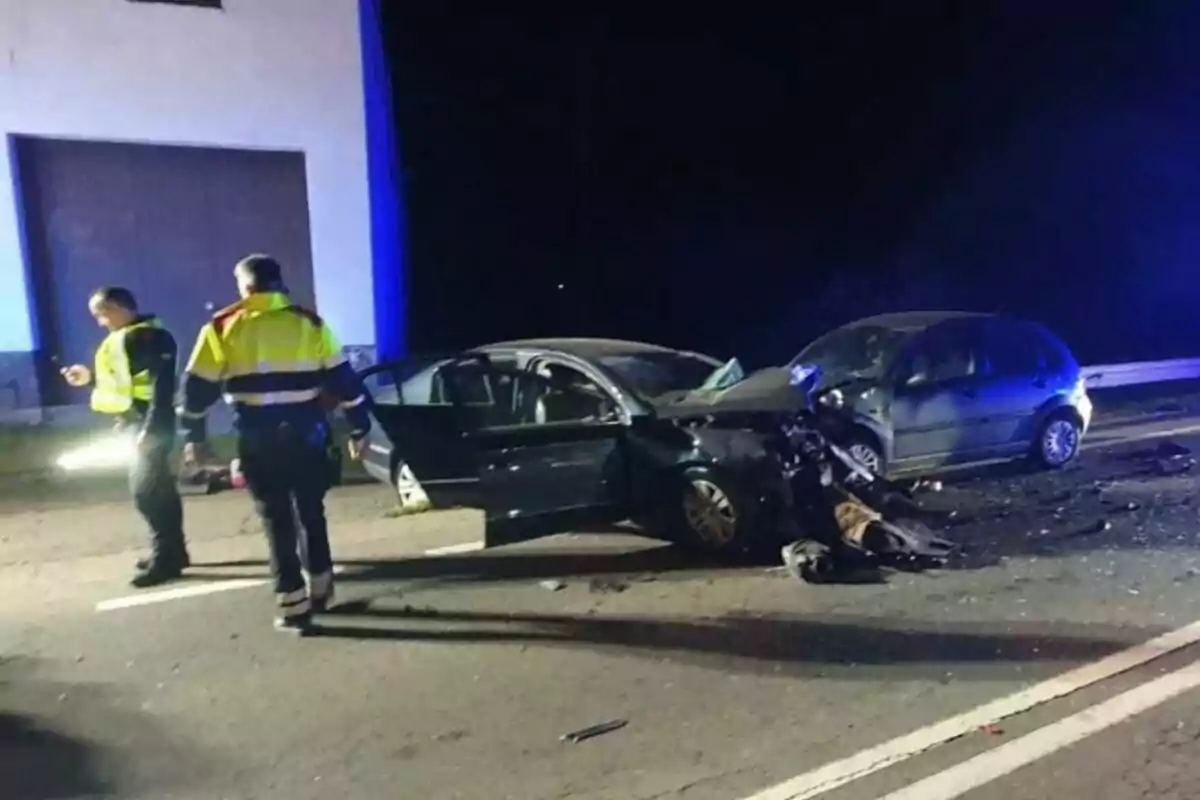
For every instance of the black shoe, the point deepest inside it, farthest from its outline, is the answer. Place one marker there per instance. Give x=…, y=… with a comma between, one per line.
x=155, y=575
x=298, y=625
x=144, y=564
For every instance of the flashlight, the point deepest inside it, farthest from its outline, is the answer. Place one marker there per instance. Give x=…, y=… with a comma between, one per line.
x=114, y=450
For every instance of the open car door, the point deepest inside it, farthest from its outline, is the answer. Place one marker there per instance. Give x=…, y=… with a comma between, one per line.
x=549, y=458
x=423, y=429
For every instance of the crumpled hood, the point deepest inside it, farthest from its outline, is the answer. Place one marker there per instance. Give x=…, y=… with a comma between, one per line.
x=766, y=391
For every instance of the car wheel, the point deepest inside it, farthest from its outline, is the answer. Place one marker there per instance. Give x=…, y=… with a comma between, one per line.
x=713, y=515
x=408, y=490
x=1058, y=441
x=866, y=452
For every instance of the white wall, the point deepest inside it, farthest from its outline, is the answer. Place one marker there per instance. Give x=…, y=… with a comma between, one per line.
x=270, y=74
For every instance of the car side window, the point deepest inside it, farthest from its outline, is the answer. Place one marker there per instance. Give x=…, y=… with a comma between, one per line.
x=941, y=356
x=485, y=390
x=556, y=393
x=1014, y=350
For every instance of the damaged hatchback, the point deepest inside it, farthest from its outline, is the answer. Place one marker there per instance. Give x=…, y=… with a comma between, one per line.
x=922, y=391
x=556, y=435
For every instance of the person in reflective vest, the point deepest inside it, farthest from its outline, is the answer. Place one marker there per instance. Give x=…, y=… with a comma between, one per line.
x=278, y=364
x=134, y=380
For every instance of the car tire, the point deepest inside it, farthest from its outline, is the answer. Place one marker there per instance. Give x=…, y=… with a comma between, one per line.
x=1058, y=440
x=863, y=447
x=409, y=494
x=713, y=515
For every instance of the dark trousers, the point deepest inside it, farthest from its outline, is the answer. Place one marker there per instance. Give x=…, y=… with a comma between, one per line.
x=287, y=474
x=156, y=497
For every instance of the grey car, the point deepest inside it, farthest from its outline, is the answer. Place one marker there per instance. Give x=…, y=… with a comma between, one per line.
x=928, y=390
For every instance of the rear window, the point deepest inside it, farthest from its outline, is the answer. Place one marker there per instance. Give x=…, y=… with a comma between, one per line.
x=1021, y=348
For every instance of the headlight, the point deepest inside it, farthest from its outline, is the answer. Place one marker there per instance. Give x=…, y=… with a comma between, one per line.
x=115, y=450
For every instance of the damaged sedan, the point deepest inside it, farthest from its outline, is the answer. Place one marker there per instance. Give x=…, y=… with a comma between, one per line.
x=555, y=435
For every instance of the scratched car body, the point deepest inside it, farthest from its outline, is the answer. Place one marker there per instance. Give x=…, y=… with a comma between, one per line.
x=555, y=435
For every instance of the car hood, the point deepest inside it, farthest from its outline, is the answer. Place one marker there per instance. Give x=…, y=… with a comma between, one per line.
x=767, y=391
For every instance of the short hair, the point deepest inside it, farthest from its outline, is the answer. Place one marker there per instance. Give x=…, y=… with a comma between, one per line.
x=116, y=295
x=263, y=272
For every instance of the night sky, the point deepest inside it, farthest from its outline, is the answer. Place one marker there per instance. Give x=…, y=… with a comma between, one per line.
x=737, y=183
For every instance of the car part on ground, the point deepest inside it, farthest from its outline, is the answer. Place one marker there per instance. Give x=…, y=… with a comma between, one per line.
x=840, y=507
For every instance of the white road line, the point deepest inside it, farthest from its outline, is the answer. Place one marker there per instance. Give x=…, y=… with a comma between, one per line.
x=178, y=593
x=1140, y=437
x=839, y=773
x=192, y=590
x=987, y=767
x=448, y=550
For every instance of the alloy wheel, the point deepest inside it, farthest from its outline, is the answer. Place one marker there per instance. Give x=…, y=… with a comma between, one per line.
x=709, y=512
x=1060, y=441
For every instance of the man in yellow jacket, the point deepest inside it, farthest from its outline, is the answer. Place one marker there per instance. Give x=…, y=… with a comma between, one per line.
x=134, y=381
x=278, y=363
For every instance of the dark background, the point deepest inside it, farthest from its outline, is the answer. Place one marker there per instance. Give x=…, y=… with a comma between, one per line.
x=738, y=182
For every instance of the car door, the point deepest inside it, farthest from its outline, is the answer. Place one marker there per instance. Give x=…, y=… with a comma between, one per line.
x=935, y=410
x=1016, y=384
x=540, y=476
x=422, y=427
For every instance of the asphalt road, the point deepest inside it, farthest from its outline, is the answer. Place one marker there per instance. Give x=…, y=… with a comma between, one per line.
x=456, y=675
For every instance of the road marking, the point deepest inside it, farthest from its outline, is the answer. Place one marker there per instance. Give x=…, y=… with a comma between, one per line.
x=1141, y=437
x=177, y=593
x=451, y=549
x=987, y=767
x=192, y=590
x=839, y=773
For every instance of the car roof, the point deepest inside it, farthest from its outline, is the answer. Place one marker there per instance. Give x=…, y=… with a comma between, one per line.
x=916, y=320
x=583, y=347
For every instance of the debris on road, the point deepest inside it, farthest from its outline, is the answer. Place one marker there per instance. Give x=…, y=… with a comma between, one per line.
x=552, y=585
x=582, y=735
x=606, y=586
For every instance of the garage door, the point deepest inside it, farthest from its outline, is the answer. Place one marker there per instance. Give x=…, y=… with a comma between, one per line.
x=167, y=222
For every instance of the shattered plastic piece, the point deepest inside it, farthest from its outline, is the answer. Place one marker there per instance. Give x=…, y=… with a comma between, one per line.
x=1170, y=449
x=606, y=586
x=1175, y=465
x=574, y=737
x=552, y=585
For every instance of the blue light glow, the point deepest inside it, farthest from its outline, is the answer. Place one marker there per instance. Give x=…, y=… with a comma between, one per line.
x=388, y=255
x=802, y=373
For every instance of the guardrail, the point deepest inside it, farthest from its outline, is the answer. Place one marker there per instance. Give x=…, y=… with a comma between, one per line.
x=1137, y=373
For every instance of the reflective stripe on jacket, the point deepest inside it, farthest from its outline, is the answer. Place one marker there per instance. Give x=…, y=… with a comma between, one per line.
x=266, y=352
x=114, y=389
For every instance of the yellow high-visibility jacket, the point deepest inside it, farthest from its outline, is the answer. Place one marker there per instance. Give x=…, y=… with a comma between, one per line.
x=274, y=361
x=114, y=387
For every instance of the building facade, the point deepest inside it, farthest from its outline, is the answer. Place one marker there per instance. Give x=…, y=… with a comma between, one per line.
x=152, y=143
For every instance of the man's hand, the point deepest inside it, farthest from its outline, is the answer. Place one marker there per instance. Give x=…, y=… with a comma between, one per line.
x=355, y=448
x=76, y=375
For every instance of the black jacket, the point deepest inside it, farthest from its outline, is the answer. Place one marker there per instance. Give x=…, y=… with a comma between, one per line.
x=155, y=351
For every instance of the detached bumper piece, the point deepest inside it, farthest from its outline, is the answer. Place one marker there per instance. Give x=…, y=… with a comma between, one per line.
x=868, y=544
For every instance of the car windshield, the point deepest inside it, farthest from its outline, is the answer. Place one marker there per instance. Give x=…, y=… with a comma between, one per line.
x=858, y=351
x=653, y=375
